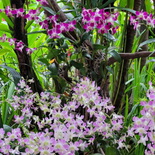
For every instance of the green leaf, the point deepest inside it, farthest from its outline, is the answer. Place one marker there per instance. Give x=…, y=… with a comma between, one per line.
x=129, y=81
x=62, y=83
x=4, y=51
x=6, y=3
x=7, y=128
x=148, y=6
x=151, y=60
x=36, y=32
x=53, y=53
x=44, y=61
x=87, y=55
x=132, y=113
x=130, y=4
x=107, y=3
x=3, y=76
x=76, y=64
x=94, y=2
x=111, y=151
x=29, y=23
x=49, y=10
x=98, y=47
x=146, y=42
x=4, y=28
x=1, y=122
x=110, y=37
x=110, y=69
x=84, y=37
x=115, y=54
x=7, y=19
x=16, y=76
x=120, y=8
x=10, y=90
x=53, y=68
x=123, y=3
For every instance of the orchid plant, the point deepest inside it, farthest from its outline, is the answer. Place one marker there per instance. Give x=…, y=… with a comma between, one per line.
x=61, y=129
x=75, y=117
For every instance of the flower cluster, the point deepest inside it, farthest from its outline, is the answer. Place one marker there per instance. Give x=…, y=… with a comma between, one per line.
x=136, y=19
x=57, y=27
x=145, y=126
x=19, y=45
x=31, y=15
x=43, y=2
x=62, y=129
x=99, y=19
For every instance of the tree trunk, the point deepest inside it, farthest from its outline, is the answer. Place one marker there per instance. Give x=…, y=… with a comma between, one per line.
x=122, y=76
x=24, y=60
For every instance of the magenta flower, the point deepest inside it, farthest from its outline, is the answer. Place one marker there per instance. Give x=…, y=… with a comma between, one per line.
x=30, y=50
x=43, y=2
x=19, y=46
x=12, y=41
x=18, y=12
x=8, y=11
x=100, y=20
x=53, y=33
x=44, y=24
x=32, y=15
x=3, y=38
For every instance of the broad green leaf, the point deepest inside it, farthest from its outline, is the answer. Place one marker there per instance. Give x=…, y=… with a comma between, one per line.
x=16, y=76
x=110, y=69
x=146, y=42
x=130, y=4
x=5, y=106
x=3, y=76
x=115, y=55
x=44, y=61
x=84, y=37
x=76, y=64
x=53, y=68
x=28, y=24
x=53, y=53
x=36, y=32
x=11, y=90
x=6, y=3
x=4, y=28
x=109, y=37
x=49, y=10
x=4, y=51
x=98, y=47
x=148, y=6
x=123, y=3
x=111, y=151
x=7, y=19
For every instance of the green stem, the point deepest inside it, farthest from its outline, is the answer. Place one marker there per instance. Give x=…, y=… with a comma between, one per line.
x=1, y=122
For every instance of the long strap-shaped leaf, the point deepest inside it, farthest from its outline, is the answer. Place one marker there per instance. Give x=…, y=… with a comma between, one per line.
x=1, y=123
x=16, y=76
